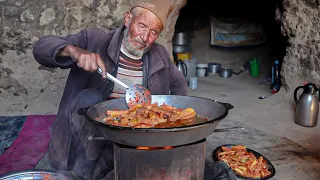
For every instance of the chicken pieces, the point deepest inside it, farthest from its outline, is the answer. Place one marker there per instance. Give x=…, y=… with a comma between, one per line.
x=148, y=116
x=243, y=162
x=185, y=114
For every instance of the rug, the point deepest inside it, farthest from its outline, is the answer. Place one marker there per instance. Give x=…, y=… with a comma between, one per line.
x=30, y=145
x=10, y=127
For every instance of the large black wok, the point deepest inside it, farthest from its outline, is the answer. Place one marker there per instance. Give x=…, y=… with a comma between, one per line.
x=159, y=137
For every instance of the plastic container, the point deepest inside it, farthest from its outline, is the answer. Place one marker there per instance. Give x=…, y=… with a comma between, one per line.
x=192, y=67
x=202, y=70
x=275, y=72
x=254, y=67
x=184, y=56
x=275, y=81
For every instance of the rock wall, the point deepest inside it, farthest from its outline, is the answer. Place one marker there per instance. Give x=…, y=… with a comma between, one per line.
x=300, y=22
x=26, y=87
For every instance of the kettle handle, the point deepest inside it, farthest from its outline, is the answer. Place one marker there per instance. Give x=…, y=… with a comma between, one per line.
x=295, y=93
x=184, y=64
x=318, y=93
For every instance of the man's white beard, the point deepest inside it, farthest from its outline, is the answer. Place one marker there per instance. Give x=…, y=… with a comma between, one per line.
x=130, y=48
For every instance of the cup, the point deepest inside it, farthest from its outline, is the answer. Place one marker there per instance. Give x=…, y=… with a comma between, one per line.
x=193, y=82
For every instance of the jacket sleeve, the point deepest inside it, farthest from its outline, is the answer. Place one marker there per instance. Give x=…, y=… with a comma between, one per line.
x=46, y=49
x=178, y=83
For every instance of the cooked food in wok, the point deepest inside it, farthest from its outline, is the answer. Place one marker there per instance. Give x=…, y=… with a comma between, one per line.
x=151, y=116
x=243, y=162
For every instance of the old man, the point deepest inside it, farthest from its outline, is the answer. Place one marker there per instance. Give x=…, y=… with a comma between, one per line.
x=129, y=53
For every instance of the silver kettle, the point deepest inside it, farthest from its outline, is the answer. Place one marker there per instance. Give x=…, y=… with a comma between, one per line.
x=182, y=67
x=307, y=109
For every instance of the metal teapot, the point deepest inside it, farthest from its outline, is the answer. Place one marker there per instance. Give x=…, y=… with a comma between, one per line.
x=182, y=67
x=307, y=109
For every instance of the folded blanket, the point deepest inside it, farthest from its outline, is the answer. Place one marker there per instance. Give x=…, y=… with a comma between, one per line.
x=30, y=146
x=9, y=128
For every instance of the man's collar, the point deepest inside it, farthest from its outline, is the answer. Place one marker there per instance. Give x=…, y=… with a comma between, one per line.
x=115, y=44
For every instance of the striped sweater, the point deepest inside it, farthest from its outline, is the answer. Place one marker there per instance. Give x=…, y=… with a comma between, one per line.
x=130, y=71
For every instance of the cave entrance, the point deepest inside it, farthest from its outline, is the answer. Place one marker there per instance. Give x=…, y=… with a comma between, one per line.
x=230, y=33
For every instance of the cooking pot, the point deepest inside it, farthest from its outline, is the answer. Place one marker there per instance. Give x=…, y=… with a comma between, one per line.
x=213, y=110
x=182, y=38
x=202, y=70
x=181, y=48
x=225, y=72
x=214, y=68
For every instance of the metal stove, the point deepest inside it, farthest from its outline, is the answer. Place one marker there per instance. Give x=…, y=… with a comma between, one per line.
x=186, y=162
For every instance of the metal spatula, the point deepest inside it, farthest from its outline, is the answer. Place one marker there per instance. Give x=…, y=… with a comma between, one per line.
x=135, y=94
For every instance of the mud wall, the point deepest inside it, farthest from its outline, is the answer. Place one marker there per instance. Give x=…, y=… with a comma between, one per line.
x=26, y=87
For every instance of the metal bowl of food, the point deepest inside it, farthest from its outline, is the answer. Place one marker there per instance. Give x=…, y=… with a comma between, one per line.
x=35, y=175
x=245, y=163
x=206, y=115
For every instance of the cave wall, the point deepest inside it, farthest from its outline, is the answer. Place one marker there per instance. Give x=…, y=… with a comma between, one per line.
x=300, y=22
x=26, y=87
x=227, y=57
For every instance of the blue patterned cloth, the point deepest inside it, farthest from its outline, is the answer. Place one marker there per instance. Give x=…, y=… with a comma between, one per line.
x=10, y=127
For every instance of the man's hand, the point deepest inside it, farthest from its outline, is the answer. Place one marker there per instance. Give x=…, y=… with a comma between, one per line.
x=85, y=59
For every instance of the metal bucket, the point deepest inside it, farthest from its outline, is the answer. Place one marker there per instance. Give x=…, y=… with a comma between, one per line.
x=214, y=68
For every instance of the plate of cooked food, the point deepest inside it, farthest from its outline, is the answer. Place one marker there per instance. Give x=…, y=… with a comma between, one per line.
x=245, y=163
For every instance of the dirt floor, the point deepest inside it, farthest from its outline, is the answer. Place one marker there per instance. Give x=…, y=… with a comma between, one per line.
x=269, y=126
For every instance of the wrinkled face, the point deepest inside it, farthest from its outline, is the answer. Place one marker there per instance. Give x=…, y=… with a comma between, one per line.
x=143, y=29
